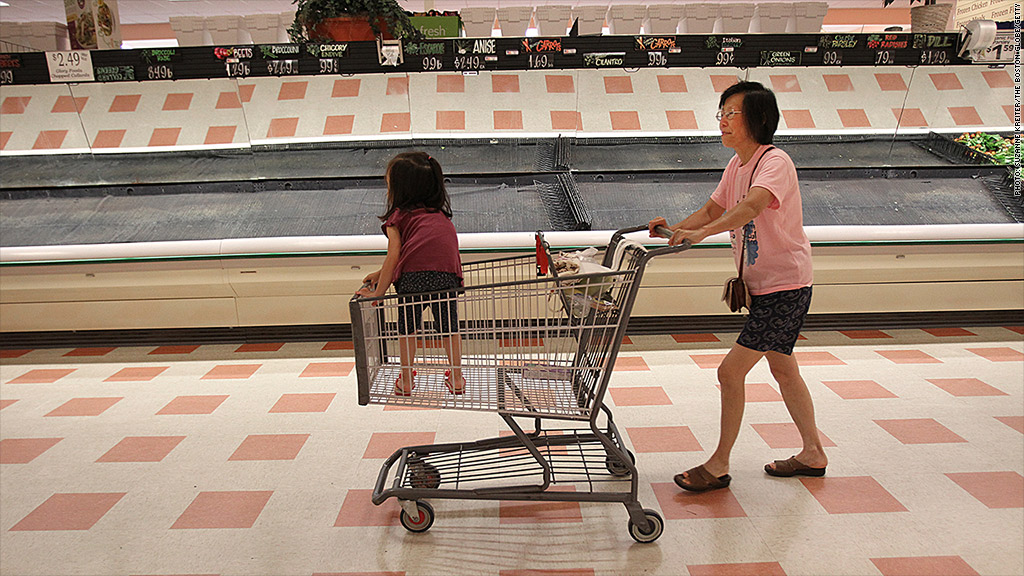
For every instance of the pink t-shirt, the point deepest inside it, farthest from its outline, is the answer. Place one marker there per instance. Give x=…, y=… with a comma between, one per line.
x=429, y=242
x=778, y=254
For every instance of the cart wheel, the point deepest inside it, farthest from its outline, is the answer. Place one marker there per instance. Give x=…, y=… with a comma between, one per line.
x=618, y=468
x=657, y=526
x=426, y=518
x=424, y=475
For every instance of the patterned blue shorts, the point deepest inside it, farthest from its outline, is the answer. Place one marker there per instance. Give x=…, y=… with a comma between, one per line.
x=775, y=320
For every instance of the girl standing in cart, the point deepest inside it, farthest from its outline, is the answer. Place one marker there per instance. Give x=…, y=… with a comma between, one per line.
x=758, y=202
x=423, y=256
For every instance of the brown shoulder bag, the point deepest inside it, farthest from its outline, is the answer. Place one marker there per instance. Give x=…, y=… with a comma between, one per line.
x=735, y=294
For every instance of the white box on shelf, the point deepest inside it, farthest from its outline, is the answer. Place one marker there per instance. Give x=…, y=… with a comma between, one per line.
x=514, y=20
x=552, y=19
x=774, y=18
x=478, y=21
x=189, y=30
x=38, y=36
x=699, y=18
x=590, y=18
x=734, y=18
x=285, y=21
x=225, y=29
x=663, y=18
x=808, y=16
x=263, y=28
x=626, y=18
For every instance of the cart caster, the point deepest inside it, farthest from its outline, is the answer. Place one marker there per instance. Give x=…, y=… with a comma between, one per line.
x=618, y=468
x=654, y=530
x=426, y=518
x=424, y=475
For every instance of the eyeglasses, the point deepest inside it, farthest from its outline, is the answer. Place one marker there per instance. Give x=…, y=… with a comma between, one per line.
x=728, y=115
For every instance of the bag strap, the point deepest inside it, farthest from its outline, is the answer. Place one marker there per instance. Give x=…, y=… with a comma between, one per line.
x=743, y=240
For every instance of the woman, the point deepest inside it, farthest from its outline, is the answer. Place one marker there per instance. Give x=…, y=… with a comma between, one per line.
x=758, y=202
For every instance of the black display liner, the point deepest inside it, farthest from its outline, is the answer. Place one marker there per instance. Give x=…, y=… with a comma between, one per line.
x=458, y=157
x=546, y=201
x=947, y=147
x=312, y=207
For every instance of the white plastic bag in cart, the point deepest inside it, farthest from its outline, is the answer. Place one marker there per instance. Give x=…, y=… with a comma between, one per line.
x=586, y=296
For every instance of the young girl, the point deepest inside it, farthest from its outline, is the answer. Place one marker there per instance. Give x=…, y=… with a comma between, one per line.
x=423, y=256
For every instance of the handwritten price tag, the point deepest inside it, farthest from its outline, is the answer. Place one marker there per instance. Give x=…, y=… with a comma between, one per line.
x=70, y=66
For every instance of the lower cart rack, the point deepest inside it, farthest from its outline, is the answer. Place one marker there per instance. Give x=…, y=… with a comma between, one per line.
x=523, y=466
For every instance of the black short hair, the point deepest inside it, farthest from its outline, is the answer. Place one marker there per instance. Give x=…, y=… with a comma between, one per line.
x=760, y=109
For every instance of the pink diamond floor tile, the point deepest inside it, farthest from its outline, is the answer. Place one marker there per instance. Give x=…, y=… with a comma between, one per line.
x=737, y=569
x=852, y=495
x=785, y=435
x=142, y=449
x=270, y=447
x=924, y=565
x=919, y=431
x=663, y=439
x=230, y=509
x=308, y=402
x=993, y=489
x=678, y=504
x=24, y=450
x=69, y=512
x=639, y=396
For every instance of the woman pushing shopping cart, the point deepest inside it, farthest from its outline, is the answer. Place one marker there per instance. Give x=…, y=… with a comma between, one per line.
x=539, y=337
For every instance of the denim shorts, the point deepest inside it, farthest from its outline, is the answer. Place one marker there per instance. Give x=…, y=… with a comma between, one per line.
x=411, y=299
x=775, y=320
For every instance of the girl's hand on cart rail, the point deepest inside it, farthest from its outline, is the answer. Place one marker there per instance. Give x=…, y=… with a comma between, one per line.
x=367, y=291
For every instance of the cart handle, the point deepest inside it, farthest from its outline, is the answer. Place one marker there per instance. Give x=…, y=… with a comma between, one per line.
x=663, y=231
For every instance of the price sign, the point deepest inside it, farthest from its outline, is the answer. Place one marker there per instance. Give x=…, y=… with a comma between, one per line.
x=70, y=66
x=329, y=66
x=469, y=62
x=432, y=63
x=832, y=58
x=657, y=59
x=160, y=72
x=6, y=76
x=725, y=59
x=542, y=60
x=238, y=68
x=934, y=57
x=884, y=57
x=283, y=67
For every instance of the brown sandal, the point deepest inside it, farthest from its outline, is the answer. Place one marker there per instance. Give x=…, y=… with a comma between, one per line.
x=792, y=467
x=700, y=480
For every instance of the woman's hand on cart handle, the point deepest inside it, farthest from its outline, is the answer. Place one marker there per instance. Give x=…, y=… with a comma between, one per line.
x=658, y=228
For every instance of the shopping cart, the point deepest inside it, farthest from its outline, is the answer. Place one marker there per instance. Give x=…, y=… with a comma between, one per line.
x=531, y=343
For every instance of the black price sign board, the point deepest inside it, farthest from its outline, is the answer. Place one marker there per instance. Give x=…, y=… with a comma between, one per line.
x=473, y=55
x=327, y=57
x=159, y=63
x=24, y=68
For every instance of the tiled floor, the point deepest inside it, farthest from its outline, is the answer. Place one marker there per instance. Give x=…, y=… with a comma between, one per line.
x=258, y=460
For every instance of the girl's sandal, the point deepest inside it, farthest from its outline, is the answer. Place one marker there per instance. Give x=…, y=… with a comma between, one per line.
x=398, y=385
x=448, y=383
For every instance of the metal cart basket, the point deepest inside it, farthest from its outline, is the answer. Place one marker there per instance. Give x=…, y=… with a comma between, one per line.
x=531, y=342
